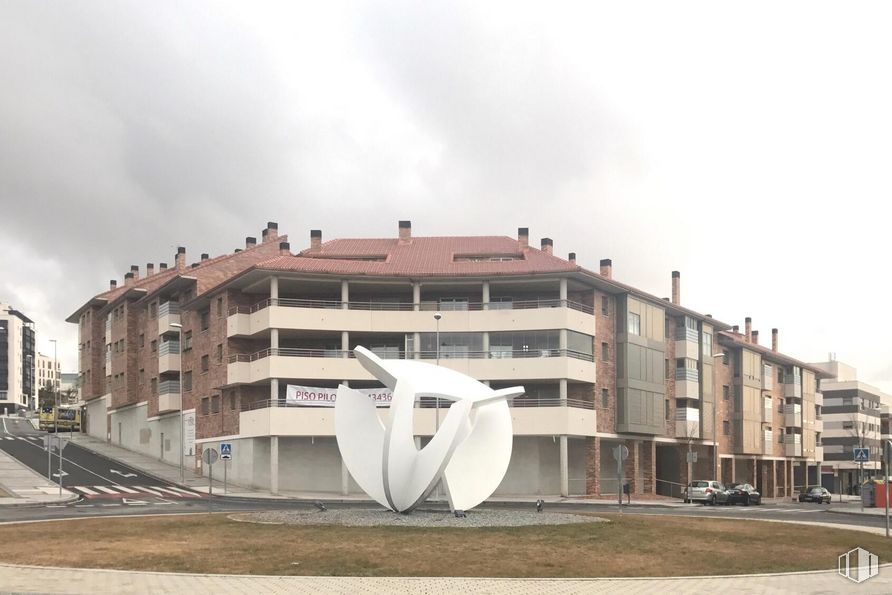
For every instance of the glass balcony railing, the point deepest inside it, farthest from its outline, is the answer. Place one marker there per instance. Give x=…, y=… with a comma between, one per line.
x=444, y=354
x=689, y=374
x=408, y=306
x=169, y=387
x=168, y=308
x=169, y=348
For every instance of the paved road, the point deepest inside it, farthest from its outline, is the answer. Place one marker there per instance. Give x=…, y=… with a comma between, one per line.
x=84, y=473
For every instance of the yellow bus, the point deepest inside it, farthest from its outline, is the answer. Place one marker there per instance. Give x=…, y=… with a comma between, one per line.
x=68, y=419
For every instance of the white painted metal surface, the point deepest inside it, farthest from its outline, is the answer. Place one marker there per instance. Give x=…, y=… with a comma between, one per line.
x=469, y=453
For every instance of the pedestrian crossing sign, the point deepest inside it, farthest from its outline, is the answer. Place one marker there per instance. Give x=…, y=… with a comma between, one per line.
x=862, y=454
x=225, y=450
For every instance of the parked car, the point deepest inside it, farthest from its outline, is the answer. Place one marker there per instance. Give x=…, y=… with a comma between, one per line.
x=742, y=493
x=815, y=494
x=705, y=491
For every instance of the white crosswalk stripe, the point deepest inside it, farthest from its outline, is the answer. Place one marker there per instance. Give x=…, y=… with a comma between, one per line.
x=84, y=490
x=9, y=437
x=125, y=489
x=186, y=492
x=133, y=491
x=105, y=489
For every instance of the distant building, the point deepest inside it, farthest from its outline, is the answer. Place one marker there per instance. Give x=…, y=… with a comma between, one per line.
x=45, y=374
x=69, y=388
x=17, y=355
x=852, y=416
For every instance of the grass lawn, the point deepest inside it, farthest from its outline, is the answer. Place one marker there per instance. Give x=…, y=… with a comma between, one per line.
x=630, y=545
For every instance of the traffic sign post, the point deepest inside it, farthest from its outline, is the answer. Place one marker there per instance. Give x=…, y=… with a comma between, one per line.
x=210, y=457
x=861, y=454
x=225, y=454
x=620, y=454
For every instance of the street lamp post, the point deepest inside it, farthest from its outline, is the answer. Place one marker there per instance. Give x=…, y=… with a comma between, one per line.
x=179, y=328
x=437, y=317
x=56, y=414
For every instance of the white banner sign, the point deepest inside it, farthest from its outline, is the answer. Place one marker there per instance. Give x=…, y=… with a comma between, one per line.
x=314, y=396
x=189, y=437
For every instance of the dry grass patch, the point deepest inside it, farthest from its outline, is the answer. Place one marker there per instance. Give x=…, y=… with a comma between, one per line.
x=630, y=545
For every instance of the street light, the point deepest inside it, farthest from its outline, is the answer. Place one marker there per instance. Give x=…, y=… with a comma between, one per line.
x=437, y=317
x=56, y=415
x=715, y=419
x=179, y=329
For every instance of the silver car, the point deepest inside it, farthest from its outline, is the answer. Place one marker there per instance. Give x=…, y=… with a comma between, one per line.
x=705, y=491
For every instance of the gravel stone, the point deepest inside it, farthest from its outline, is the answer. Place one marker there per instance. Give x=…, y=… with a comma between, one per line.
x=417, y=518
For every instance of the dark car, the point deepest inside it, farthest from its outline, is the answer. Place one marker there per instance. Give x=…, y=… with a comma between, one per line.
x=815, y=494
x=742, y=493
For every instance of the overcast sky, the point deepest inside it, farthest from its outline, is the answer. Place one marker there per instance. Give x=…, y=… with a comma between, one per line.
x=746, y=145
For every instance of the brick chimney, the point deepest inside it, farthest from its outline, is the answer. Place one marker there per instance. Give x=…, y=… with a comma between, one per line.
x=405, y=231
x=774, y=339
x=180, y=259
x=150, y=269
x=607, y=268
x=237, y=250
x=676, y=288
x=204, y=256
x=134, y=268
x=271, y=232
x=162, y=266
x=572, y=257
x=755, y=337
x=523, y=237
x=112, y=284
x=315, y=239
x=250, y=242
x=128, y=279
x=547, y=245
x=284, y=248
x=748, y=325
x=735, y=329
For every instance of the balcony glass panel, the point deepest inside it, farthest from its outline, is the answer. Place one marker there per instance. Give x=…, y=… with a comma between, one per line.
x=169, y=348
x=169, y=386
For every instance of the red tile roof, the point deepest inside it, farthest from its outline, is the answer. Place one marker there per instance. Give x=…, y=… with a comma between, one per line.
x=421, y=257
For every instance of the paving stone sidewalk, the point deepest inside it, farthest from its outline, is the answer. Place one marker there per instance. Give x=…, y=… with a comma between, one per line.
x=29, y=579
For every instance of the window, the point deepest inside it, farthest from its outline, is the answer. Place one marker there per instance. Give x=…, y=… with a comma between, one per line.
x=187, y=340
x=707, y=345
x=726, y=359
x=187, y=381
x=726, y=392
x=215, y=404
x=847, y=425
x=142, y=376
x=634, y=324
x=154, y=346
x=232, y=402
x=605, y=305
x=205, y=320
x=605, y=398
x=726, y=428
x=605, y=352
x=219, y=353
x=153, y=309
x=142, y=340
x=205, y=406
x=154, y=386
x=666, y=408
x=780, y=375
x=219, y=307
x=501, y=303
x=205, y=364
x=668, y=368
x=451, y=304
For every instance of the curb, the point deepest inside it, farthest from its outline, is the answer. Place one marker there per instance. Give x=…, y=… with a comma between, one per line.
x=27, y=504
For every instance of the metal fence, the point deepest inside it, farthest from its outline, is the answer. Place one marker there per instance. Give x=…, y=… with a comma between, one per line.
x=430, y=306
x=442, y=355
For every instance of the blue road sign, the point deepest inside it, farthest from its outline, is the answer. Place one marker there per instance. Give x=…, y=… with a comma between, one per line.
x=225, y=450
x=862, y=454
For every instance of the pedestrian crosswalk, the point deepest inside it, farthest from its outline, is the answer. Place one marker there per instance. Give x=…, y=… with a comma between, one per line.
x=120, y=491
x=25, y=438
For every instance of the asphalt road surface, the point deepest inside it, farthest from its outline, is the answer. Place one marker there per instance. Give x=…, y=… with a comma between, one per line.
x=109, y=488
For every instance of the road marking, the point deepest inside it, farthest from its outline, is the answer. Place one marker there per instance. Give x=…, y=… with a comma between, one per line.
x=63, y=473
x=5, y=431
x=106, y=490
x=85, y=490
x=122, y=474
x=170, y=491
x=9, y=437
x=109, y=505
x=84, y=505
x=134, y=502
x=187, y=492
x=149, y=490
x=125, y=489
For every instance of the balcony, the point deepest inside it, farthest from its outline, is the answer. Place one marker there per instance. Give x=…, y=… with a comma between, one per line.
x=535, y=417
x=818, y=424
x=819, y=453
x=687, y=343
x=324, y=315
x=793, y=415
x=819, y=399
x=767, y=410
x=168, y=402
x=169, y=357
x=168, y=313
x=792, y=386
x=793, y=445
x=687, y=385
x=333, y=364
x=169, y=387
x=687, y=423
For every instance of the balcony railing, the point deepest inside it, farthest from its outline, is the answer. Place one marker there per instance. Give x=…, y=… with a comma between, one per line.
x=443, y=355
x=431, y=403
x=689, y=374
x=169, y=386
x=168, y=308
x=683, y=333
x=409, y=306
x=169, y=348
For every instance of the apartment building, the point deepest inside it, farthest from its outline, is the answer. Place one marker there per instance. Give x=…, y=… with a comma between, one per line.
x=853, y=415
x=248, y=345
x=48, y=372
x=16, y=360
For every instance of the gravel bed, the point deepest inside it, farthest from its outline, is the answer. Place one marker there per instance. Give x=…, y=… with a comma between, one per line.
x=418, y=518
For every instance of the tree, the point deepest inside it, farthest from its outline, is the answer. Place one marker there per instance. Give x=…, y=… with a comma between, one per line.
x=46, y=397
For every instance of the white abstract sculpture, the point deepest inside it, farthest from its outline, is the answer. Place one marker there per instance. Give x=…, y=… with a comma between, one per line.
x=469, y=453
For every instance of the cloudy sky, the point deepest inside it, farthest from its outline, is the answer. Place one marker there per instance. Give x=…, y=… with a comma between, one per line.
x=745, y=145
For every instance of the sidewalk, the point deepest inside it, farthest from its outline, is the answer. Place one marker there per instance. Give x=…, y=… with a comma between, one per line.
x=32, y=579
x=21, y=486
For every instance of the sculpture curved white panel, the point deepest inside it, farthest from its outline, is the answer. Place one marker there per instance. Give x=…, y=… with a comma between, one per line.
x=469, y=453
